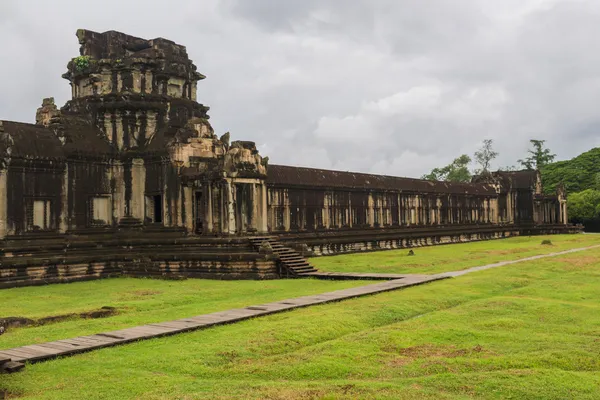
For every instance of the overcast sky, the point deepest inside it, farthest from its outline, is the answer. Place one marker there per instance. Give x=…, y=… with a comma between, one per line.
x=384, y=86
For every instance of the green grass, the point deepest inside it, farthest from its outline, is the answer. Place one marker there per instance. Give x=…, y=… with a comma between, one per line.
x=454, y=257
x=139, y=302
x=524, y=331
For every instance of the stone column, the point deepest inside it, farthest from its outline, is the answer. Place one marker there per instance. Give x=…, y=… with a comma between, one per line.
x=188, y=195
x=326, y=205
x=371, y=212
x=264, y=226
x=254, y=218
x=230, y=208
x=286, y=211
x=138, y=188
x=3, y=204
x=118, y=195
x=348, y=211
x=209, y=208
x=119, y=132
x=63, y=223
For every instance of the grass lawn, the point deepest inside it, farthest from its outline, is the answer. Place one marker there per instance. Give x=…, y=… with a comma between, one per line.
x=523, y=331
x=453, y=257
x=138, y=302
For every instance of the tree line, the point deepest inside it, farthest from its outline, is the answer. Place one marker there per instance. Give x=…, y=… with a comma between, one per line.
x=458, y=170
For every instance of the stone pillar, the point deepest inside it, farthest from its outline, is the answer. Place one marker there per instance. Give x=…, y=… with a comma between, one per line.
x=3, y=204
x=209, y=208
x=286, y=211
x=230, y=208
x=188, y=195
x=371, y=212
x=254, y=218
x=120, y=133
x=348, y=211
x=326, y=205
x=264, y=226
x=63, y=222
x=118, y=196
x=138, y=188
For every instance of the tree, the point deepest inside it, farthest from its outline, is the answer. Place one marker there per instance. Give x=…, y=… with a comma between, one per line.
x=508, y=168
x=457, y=171
x=484, y=156
x=538, y=156
x=584, y=205
x=577, y=174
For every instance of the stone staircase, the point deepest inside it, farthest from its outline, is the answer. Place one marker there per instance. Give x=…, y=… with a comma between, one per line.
x=293, y=263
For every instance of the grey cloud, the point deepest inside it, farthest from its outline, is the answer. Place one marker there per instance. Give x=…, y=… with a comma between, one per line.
x=387, y=86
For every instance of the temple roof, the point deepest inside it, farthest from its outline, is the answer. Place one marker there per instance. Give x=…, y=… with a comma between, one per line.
x=38, y=142
x=321, y=178
x=525, y=179
x=30, y=141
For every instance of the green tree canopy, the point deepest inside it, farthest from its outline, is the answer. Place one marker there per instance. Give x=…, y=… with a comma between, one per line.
x=584, y=205
x=578, y=174
x=457, y=171
x=539, y=155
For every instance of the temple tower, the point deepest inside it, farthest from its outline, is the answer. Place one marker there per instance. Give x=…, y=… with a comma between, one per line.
x=132, y=87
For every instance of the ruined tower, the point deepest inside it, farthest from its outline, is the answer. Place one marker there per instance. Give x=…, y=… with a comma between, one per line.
x=132, y=87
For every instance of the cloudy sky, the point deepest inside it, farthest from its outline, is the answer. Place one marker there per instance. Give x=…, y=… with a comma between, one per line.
x=383, y=86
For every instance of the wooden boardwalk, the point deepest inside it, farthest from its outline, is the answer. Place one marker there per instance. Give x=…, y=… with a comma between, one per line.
x=58, y=348
x=354, y=275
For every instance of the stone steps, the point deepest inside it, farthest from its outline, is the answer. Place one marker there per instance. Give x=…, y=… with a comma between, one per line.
x=291, y=260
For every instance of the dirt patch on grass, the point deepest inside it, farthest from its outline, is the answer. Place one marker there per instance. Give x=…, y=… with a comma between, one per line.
x=578, y=263
x=17, y=322
x=408, y=355
x=145, y=292
x=508, y=251
x=348, y=391
x=430, y=350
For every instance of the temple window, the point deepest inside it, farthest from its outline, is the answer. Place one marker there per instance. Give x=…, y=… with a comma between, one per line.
x=39, y=215
x=99, y=210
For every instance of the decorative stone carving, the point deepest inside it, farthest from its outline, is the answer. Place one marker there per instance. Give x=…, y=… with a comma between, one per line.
x=242, y=159
x=47, y=112
x=225, y=139
x=265, y=248
x=196, y=140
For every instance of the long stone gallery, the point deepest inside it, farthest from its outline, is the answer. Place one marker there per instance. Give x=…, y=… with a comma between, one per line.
x=129, y=178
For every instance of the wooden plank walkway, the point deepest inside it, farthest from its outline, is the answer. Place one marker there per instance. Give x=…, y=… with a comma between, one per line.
x=353, y=275
x=45, y=351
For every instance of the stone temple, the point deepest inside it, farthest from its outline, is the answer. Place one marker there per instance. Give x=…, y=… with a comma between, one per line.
x=128, y=177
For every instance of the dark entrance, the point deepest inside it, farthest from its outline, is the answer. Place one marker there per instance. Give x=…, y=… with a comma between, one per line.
x=199, y=206
x=158, y=209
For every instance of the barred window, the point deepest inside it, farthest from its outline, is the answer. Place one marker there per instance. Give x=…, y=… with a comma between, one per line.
x=39, y=215
x=99, y=212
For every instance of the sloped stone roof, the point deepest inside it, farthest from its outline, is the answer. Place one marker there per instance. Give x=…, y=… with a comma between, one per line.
x=30, y=141
x=282, y=175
